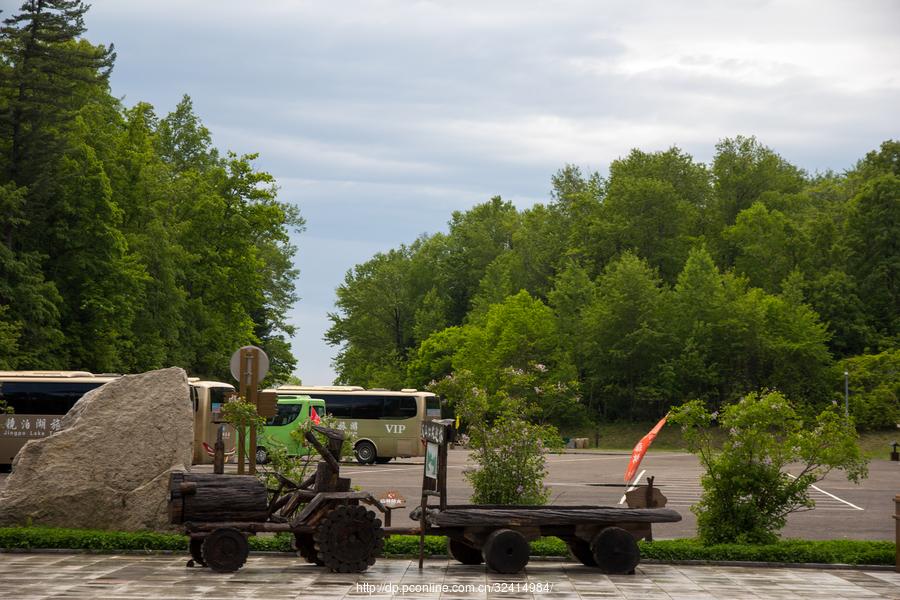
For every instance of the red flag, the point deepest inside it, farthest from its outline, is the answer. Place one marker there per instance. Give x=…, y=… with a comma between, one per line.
x=314, y=416
x=637, y=455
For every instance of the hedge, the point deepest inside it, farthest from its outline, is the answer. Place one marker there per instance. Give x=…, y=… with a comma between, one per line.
x=852, y=552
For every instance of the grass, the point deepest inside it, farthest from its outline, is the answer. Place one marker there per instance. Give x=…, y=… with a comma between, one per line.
x=786, y=551
x=623, y=437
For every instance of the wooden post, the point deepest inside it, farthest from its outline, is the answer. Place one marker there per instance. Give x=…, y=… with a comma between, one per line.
x=219, y=456
x=241, y=442
x=442, y=475
x=252, y=358
x=897, y=531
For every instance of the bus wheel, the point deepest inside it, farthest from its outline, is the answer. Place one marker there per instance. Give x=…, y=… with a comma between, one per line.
x=365, y=452
x=262, y=457
x=383, y=460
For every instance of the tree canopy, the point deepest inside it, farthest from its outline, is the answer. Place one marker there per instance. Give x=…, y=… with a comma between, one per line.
x=665, y=281
x=127, y=241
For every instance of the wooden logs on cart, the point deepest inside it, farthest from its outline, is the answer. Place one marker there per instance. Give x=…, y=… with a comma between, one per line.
x=209, y=498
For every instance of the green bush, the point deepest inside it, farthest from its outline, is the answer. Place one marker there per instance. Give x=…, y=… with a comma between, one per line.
x=786, y=551
x=746, y=493
x=850, y=552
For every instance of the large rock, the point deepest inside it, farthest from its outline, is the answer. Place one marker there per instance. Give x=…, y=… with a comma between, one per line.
x=108, y=468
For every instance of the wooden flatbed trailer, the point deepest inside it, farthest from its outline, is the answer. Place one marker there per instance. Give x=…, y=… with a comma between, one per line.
x=498, y=535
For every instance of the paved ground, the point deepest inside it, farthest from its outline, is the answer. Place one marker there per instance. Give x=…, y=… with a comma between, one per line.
x=277, y=577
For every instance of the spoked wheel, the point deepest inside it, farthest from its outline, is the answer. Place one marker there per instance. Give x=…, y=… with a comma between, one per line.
x=196, y=545
x=306, y=548
x=506, y=551
x=581, y=551
x=349, y=539
x=225, y=550
x=615, y=551
x=464, y=553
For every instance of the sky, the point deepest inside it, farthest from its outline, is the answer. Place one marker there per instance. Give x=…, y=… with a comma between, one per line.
x=379, y=119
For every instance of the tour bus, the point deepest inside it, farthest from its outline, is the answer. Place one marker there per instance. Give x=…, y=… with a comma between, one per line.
x=387, y=424
x=39, y=400
x=291, y=412
x=207, y=399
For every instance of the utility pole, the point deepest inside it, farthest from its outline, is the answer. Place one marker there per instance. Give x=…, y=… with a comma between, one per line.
x=846, y=393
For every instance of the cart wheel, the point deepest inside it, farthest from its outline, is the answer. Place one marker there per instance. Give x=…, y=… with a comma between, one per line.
x=196, y=546
x=615, y=551
x=506, y=551
x=581, y=551
x=306, y=548
x=225, y=550
x=349, y=539
x=464, y=553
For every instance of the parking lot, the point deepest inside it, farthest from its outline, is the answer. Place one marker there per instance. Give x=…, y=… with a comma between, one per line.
x=843, y=509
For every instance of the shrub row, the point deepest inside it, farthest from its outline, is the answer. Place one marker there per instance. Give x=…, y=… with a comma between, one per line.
x=852, y=552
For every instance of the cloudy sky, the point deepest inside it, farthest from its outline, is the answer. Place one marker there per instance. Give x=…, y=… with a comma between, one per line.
x=380, y=118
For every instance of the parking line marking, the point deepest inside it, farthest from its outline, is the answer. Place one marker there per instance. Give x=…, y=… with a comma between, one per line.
x=818, y=489
x=633, y=485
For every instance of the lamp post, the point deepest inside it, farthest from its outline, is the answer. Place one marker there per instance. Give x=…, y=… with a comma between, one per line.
x=846, y=393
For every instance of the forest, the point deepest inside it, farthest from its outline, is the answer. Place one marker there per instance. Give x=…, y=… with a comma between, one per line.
x=664, y=281
x=127, y=241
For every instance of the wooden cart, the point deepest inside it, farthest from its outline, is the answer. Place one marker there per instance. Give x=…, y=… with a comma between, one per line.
x=334, y=529
x=599, y=536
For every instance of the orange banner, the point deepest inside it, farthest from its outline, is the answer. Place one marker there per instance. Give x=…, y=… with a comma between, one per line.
x=637, y=455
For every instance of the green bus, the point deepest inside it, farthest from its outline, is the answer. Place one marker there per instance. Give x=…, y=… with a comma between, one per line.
x=291, y=411
x=386, y=423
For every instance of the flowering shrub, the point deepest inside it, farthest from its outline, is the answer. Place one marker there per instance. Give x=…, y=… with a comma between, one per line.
x=746, y=493
x=510, y=458
x=508, y=448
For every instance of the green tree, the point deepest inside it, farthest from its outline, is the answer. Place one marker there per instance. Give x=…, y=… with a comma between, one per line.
x=653, y=207
x=873, y=236
x=376, y=322
x=767, y=246
x=626, y=342
x=747, y=489
x=53, y=73
x=745, y=171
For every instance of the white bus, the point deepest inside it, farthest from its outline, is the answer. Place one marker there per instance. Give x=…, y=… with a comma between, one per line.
x=39, y=400
x=387, y=424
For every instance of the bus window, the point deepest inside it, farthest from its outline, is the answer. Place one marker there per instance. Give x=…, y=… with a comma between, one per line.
x=339, y=406
x=44, y=397
x=399, y=407
x=286, y=415
x=368, y=407
x=433, y=407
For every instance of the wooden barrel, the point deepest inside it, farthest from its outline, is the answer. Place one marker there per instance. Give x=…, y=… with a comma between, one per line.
x=210, y=498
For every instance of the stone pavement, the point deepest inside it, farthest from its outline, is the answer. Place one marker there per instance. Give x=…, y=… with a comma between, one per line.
x=27, y=576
